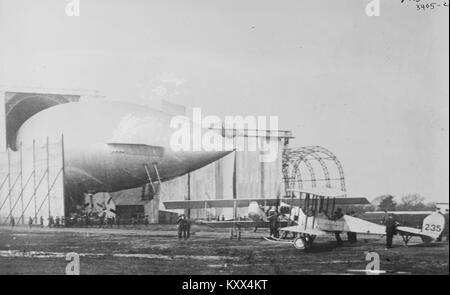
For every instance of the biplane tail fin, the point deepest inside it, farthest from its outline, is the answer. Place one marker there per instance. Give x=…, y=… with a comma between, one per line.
x=432, y=227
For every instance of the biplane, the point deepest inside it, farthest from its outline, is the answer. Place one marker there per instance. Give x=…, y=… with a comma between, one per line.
x=313, y=219
x=257, y=213
x=310, y=215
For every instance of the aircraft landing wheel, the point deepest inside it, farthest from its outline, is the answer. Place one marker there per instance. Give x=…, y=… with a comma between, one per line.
x=300, y=243
x=304, y=242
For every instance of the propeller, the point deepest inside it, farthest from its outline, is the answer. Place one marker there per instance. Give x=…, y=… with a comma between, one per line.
x=102, y=204
x=108, y=208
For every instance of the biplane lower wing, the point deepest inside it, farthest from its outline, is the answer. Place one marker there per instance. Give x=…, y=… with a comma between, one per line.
x=236, y=223
x=218, y=203
x=302, y=230
x=232, y=223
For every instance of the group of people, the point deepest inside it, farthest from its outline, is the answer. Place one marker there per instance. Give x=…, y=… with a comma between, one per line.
x=184, y=227
x=31, y=221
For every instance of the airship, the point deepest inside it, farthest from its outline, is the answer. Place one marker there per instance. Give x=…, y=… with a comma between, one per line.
x=112, y=146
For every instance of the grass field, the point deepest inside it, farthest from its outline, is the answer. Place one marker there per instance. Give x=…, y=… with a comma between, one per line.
x=156, y=250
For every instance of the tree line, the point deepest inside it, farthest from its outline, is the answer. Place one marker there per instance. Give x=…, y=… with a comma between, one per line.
x=410, y=202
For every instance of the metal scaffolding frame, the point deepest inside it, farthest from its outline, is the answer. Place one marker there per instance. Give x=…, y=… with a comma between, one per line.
x=293, y=158
x=11, y=182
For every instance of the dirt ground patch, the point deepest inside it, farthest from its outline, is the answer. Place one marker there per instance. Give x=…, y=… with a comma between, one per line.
x=156, y=250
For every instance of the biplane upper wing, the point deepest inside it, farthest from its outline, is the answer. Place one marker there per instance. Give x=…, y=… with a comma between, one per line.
x=320, y=191
x=337, y=201
x=230, y=203
x=302, y=229
x=218, y=203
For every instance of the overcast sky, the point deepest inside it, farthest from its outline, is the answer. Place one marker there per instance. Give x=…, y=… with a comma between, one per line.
x=374, y=90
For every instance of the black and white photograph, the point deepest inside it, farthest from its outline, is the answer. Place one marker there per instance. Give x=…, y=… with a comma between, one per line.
x=212, y=138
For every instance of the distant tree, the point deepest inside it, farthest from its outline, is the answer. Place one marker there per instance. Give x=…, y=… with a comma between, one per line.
x=387, y=203
x=376, y=201
x=414, y=202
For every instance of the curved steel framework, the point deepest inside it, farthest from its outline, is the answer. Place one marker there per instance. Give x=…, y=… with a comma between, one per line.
x=294, y=158
x=21, y=106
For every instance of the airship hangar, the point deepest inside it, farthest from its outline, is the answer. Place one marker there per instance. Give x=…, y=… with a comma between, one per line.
x=38, y=179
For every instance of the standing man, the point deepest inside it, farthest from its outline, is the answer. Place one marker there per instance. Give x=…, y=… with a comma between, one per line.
x=446, y=225
x=187, y=228
x=87, y=220
x=30, y=221
x=41, y=221
x=444, y=232
x=273, y=224
x=391, y=230
x=338, y=215
x=181, y=226
x=102, y=220
x=352, y=236
x=50, y=221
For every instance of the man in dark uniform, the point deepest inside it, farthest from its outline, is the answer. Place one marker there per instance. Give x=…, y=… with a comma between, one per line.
x=187, y=228
x=87, y=220
x=51, y=221
x=338, y=215
x=273, y=224
x=181, y=226
x=391, y=230
x=101, y=220
x=444, y=232
x=352, y=236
